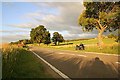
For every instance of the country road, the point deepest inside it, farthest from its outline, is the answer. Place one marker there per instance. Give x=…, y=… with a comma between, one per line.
x=81, y=65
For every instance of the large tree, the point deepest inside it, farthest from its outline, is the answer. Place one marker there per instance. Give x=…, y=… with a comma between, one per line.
x=57, y=38
x=103, y=16
x=40, y=35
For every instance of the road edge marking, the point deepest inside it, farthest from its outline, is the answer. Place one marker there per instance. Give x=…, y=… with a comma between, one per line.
x=52, y=67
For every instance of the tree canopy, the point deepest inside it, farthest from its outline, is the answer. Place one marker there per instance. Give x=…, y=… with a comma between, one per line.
x=57, y=38
x=40, y=35
x=103, y=16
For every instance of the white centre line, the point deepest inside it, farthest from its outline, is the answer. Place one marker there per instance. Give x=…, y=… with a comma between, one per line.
x=52, y=67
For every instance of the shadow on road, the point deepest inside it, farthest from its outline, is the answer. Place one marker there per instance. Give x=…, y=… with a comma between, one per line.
x=97, y=69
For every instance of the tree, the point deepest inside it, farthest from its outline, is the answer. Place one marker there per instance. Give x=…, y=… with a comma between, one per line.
x=47, y=38
x=118, y=37
x=60, y=39
x=112, y=36
x=57, y=38
x=103, y=16
x=26, y=41
x=40, y=35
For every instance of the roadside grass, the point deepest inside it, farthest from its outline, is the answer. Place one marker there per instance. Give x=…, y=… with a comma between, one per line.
x=20, y=63
x=110, y=46
x=110, y=49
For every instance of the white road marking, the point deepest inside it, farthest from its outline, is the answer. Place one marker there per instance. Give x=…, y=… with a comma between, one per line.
x=117, y=62
x=52, y=67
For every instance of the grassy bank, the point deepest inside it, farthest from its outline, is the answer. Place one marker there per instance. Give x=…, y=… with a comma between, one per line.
x=110, y=46
x=20, y=63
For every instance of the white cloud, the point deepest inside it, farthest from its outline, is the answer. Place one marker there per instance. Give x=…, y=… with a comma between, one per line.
x=24, y=25
x=11, y=31
x=65, y=20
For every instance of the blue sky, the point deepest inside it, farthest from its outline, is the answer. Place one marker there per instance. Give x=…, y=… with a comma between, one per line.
x=19, y=17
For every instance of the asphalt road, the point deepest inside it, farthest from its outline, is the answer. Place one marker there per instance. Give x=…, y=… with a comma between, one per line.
x=81, y=65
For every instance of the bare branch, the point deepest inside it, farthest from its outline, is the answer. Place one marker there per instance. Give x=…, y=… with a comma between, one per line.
x=98, y=28
x=99, y=23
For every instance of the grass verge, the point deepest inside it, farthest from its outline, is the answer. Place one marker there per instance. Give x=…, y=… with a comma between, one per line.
x=110, y=47
x=20, y=63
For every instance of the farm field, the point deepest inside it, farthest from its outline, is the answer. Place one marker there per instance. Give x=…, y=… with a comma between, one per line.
x=110, y=46
x=20, y=63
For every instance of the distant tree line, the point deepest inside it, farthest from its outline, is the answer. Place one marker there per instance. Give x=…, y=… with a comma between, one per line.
x=41, y=35
x=24, y=41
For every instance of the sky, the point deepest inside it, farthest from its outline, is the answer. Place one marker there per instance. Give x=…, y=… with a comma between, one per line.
x=19, y=17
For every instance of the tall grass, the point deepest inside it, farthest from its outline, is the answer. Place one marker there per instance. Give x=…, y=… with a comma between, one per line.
x=9, y=60
x=20, y=63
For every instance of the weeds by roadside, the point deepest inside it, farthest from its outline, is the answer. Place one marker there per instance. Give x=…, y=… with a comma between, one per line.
x=20, y=63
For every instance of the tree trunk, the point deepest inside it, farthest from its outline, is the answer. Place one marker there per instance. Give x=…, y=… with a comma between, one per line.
x=101, y=29
x=100, y=42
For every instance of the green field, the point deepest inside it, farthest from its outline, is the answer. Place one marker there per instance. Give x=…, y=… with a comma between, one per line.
x=20, y=63
x=110, y=46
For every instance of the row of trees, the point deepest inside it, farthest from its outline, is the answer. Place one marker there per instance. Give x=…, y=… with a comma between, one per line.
x=41, y=35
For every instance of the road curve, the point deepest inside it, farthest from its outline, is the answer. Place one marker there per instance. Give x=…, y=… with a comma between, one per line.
x=81, y=65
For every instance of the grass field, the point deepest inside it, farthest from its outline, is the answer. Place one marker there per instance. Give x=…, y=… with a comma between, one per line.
x=20, y=63
x=110, y=46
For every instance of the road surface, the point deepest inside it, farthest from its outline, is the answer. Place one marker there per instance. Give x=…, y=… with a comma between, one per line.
x=81, y=65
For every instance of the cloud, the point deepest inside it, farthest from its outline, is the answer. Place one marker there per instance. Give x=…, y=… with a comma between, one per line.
x=68, y=13
x=24, y=25
x=11, y=31
x=67, y=19
x=78, y=36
